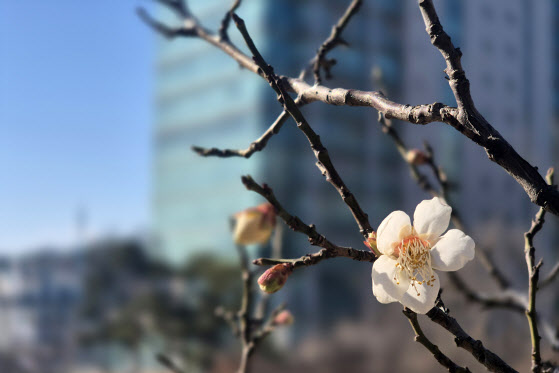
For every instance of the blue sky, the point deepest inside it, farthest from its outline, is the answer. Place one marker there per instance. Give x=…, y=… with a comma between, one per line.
x=75, y=117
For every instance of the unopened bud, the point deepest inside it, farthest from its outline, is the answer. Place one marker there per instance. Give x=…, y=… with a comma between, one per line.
x=416, y=157
x=274, y=278
x=254, y=225
x=284, y=318
x=371, y=242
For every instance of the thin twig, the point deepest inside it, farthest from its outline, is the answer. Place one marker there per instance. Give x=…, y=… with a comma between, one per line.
x=312, y=259
x=250, y=323
x=335, y=39
x=331, y=250
x=254, y=147
x=324, y=162
x=421, y=179
x=167, y=31
x=420, y=337
x=244, y=312
x=533, y=276
x=551, y=276
x=438, y=171
x=226, y=20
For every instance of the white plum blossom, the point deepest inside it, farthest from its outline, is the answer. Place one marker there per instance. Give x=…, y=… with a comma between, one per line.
x=404, y=272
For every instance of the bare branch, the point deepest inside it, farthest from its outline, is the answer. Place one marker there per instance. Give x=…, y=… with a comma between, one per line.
x=487, y=261
x=312, y=259
x=419, y=114
x=333, y=41
x=473, y=125
x=316, y=239
x=452, y=56
x=507, y=298
x=490, y=360
x=465, y=118
x=434, y=349
x=324, y=162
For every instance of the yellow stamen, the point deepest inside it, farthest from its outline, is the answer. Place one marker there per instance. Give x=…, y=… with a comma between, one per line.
x=414, y=260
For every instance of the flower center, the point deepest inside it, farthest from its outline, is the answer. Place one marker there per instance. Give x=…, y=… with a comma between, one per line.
x=414, y=260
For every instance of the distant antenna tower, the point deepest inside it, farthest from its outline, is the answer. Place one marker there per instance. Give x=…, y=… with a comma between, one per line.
x=81, y=225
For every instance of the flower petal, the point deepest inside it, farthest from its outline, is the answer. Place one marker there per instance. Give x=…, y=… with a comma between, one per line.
x=431, y=218
x=389, y=231
x=453, y=251
x=385, y=288
x=423, y=302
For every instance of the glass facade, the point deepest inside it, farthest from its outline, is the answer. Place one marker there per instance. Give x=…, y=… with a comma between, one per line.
x=202, y=99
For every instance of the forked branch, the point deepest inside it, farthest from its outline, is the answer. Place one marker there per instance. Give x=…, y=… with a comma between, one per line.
x=330, y=250
x=465, y=118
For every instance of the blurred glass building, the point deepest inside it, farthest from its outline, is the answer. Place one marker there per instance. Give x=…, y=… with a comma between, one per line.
x=204, y=99
x=201, y=99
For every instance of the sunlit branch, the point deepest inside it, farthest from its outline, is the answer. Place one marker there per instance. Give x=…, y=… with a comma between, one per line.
x=420, y=337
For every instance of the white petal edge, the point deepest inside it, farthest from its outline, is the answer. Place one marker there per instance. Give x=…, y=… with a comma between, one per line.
x=388, y=232
x=423, y=302
x=385, y=288
x=431, y=218
x=453, y=251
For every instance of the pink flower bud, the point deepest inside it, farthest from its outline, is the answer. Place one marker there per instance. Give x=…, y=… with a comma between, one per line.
x=416, y=157
x=274, y=278
x=254, y=225
x=284, y=318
